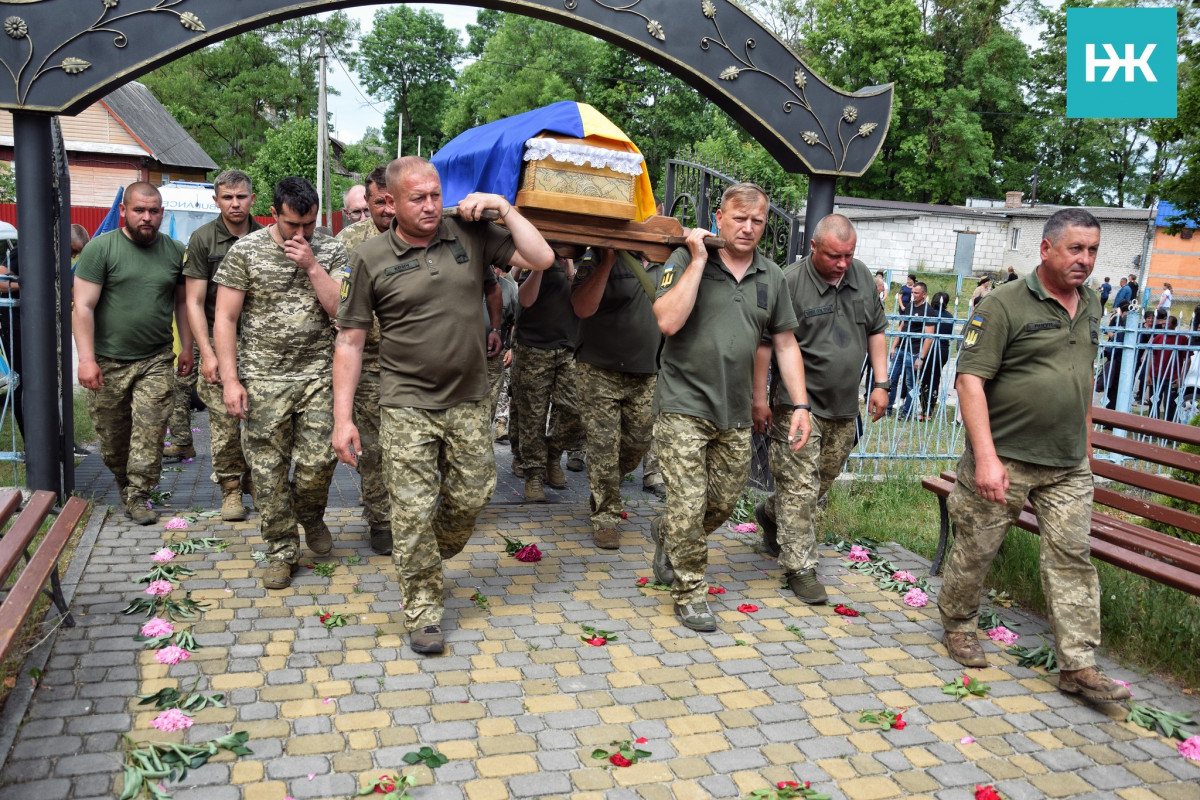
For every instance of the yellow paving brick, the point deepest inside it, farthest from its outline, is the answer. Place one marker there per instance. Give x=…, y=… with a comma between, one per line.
x=885, y=654
x=698, y=723
x=508, y=744
x=919, y=680
x=1137, y=793
x=846, y=687
x=687, y=768
x=495, y=726
x=819, y=708
x=294, y=709
x=1061, y=784
x=868, y=742
x=1019, y=704
x=720, y=685
x=914, y=782
x=896, y=699
x=660, y=709
x=921, y=758
x=551, y=702
x=362, y=720
x=246, y=772
x=643, y=772
x=699, y=744
x=782, y=753
x=406, y=699
x=1046, y=739
x=1000, y=769
x=1028, y=764
x=747, y=699
x=624, y=680
x=594, y=699
x=987, y=726
x=448, y=712
x=872, y=788
x=270, y=790
x=1148, y=773
x=617, y=715
x=236, y=680
x=485, y=790
x=495, y=675
x=947, y=712
x=689, y=790
x=506, y=766
x=458, y=749
x=838, y=768
x=796, y=676
x=830, y=726
x=947, y=731
x=738, y=719
x=362, y=740
x=316, y=743
x=597, y=780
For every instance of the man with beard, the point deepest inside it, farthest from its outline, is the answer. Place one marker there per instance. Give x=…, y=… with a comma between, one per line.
x=280, y=285
x=127, y=283
x=375, y=500
x=423, y=281
x=207, y=248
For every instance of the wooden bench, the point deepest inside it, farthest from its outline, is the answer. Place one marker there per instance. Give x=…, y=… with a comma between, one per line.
x=1129, y=545
x=40, y=565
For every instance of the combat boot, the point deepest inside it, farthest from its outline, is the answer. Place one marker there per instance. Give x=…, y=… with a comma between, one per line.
x=138, y=509
x=534, y=492
x=248, y=486
x=555, y=476
x=232, y=509
x=180, y=451
x=317, y=536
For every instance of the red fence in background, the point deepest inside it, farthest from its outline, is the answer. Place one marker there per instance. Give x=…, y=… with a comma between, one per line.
x=87, y=216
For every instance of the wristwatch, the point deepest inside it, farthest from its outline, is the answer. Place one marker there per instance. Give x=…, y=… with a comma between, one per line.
x=885, y=385
x=801, y=407
x=493, y=330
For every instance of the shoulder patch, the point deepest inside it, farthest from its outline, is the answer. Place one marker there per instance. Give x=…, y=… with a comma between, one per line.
x=668, y=277
x=344, y=291
x=973, y=332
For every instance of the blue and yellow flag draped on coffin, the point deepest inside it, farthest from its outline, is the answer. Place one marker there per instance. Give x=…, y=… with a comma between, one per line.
x=489, y=158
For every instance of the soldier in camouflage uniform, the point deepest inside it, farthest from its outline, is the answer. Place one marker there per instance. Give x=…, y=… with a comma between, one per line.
x=715, y=309
x=366, y=398
x=422, y=280
x=544, y=377
x=1025, y=386
x=617, y=375
x=127, y=284
x=207, y=247
x=840, y=323
x=281, y=285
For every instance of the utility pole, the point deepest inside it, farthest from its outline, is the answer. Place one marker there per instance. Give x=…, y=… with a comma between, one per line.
x=322, y=143
x=400, y=135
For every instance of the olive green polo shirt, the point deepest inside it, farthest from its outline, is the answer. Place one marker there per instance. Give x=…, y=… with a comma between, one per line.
x=549, y=323
x=706, y=369
x=623, y=335
x=1038, y=366
x=833, y=323
x=206, y=249
x=433, y=351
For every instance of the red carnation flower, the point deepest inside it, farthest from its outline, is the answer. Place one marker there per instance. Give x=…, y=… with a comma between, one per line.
x=642, y=581
x=747, y=608
x=619, y=760
x=385, y=785
x=845, y=610
x=788, y=785
x=900, y=724
x=624, y=514
x=596, y=641
x=529, y=553
x=325, y=617
x=716, y=590
x=986, y=793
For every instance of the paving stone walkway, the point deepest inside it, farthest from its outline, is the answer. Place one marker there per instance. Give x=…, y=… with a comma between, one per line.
x=519, y=702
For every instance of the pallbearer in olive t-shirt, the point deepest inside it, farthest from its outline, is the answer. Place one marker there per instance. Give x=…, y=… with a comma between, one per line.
x=424, y=280
x=127, y=285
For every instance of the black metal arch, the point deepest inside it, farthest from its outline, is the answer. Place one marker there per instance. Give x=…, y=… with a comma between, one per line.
x=60, y=56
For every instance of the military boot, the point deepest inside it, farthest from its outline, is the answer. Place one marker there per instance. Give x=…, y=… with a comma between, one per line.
x=232, y=509
x=180, y=451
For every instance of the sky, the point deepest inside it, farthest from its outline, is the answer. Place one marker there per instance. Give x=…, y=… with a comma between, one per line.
x=353, y=110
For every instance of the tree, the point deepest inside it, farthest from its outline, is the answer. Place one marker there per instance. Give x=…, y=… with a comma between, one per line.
x=408, y=59
x=297, y=43
x=728, y=148
x=290, y=149
x=8, y=185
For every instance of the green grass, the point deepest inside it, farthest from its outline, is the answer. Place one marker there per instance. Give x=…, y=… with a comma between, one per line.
x=1145, y=625
x=12, y=473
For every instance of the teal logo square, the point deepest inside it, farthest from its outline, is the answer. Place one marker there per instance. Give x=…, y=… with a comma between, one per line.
x=1121, y=62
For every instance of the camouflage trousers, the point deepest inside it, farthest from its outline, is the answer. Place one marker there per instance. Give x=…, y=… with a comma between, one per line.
x=651, y=472
x=376, y=505
x=541, y=377
x=618, y=423
x=1062, y=500
x=289, y=422
x=441, y=471
x=495, y=373
x=705, y=469
x=180, y=421
x=802, y=477
x=130, y=413
x=226, y=431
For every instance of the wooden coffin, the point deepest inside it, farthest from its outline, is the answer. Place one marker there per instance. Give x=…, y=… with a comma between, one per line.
x=554, y=185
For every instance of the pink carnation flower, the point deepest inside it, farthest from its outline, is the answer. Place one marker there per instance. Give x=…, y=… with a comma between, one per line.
x=160, y=588
x=157, y=627
x=528, y=554
x=745, y=527
x=915, y=597
x=859, y=553
x=177, y=524
x=1190, y=748
x=1002, y=635
x=904, y=576
x=172, y=720
x=164, y=555
x=172, y=655
x=1126, y=685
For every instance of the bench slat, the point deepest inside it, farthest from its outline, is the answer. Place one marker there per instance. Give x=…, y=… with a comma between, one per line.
x=1161, y=546
x=1148, y=509
x=25, y=591
x=1146, y=451
x=1174, y=431
x=1160, y=484
x=23, y=529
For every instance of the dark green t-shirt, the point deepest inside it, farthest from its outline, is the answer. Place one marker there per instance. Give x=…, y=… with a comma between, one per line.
x=1038, y=366
x=137, y=302
x=707, y=368
x=622, y=336
x=206, y=249
x=550, y=322
x=433, y=349
x=833, y=323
